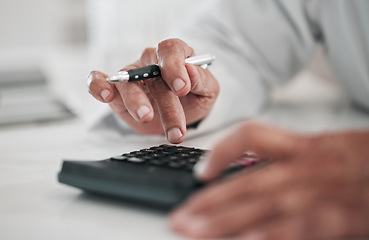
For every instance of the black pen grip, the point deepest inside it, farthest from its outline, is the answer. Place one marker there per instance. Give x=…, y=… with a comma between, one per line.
x=143, y=73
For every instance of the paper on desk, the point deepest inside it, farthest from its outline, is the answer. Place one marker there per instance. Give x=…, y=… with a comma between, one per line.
x=25, y=97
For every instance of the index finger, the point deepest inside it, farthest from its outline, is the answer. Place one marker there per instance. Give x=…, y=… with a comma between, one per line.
x=170, y=110
x=172, y=54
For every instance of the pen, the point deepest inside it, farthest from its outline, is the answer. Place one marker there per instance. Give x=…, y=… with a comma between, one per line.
x=152, y=71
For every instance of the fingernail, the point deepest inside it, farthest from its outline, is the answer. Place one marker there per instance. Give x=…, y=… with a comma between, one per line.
x=201, y=167
x=190, y=223
x=142, y=111
x=174, y=134
x=89, y=78
x=105, y=93
x=178, y=84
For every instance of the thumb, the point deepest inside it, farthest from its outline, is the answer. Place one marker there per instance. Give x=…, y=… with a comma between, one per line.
x=203, y=83
x=264, y=140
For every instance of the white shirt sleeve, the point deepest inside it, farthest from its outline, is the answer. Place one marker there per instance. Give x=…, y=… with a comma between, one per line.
x=258, y=44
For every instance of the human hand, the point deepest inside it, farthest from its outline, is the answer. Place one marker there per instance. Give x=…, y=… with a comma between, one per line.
x=183, y=95
x=316, y=188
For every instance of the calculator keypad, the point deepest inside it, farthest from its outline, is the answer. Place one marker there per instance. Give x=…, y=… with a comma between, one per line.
x=176, y=157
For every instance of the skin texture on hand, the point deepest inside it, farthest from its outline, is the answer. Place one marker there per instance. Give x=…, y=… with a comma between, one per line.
x=317, y=187
x=183, y=95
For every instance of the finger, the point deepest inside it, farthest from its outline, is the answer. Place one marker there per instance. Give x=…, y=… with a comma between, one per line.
x=202, y=81
x=149, y=57
x=266, y=141
x=232, y=217
x=246, y=185
x=294, y=184
x=136, y=101
x=224, y=221
x=170, y=110
x=294, y=214
x=287, y=228
x=99, y=87
x=166, y=103
x=171, y=58
x=204, y=92
x=327, y=221
x=131, y=103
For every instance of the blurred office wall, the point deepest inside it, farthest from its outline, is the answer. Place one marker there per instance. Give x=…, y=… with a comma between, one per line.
x=115, y=31
x=119, y=30
x=34, y=23
x=29, y=27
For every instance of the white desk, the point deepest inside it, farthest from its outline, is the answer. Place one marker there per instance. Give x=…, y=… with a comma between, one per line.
x=33, y=205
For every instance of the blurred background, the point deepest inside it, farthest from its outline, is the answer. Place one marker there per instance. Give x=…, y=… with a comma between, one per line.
x=47, y=49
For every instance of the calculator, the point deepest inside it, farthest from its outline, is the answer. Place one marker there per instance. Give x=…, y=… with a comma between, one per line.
x=160, y=176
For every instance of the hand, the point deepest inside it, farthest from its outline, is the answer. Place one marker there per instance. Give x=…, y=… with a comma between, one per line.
x=316, y=188
x=182, y=96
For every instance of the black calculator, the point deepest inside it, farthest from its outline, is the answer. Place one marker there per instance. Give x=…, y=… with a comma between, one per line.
x=159, y=176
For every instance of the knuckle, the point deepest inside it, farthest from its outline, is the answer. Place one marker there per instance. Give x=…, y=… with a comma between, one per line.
x=170, y=112
x=148, y=56
x=249, y=126
x=196, y=79
x=148, y=51
x=216, y=88
x=93, y=87
x=198, y=82
x=169, y=66
x=174, y=46
x=157, y=86
x=203, y=103
x=249, y=131
x=168, y=43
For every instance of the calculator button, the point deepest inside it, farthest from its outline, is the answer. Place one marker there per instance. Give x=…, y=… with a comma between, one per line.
x=136, y=153
x=183, y=163
x=119, y=158
x=157, y=148
x=181, y=149
x=166, y=153
x=148, y=150
x=157, y=162
x=147, y=157
x=192, y=160
x=135, y=159
x=172, y=158
x=192, y=153
x=155, y=155
x=189, y=167
x=183, y=155
x=175, y=165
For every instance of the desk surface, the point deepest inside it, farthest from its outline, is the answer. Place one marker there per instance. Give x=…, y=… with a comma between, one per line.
x=33, y=205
